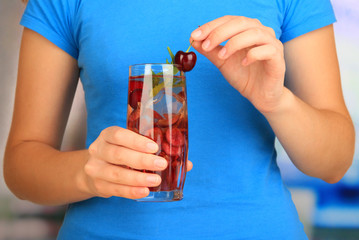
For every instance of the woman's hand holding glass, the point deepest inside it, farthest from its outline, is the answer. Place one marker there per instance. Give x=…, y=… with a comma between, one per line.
x=114, y=158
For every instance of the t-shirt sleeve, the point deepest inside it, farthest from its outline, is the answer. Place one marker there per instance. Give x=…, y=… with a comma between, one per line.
x=53, y=19
x=303, y=16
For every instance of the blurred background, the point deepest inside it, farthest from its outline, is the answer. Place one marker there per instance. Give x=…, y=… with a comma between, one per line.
x=328, y=212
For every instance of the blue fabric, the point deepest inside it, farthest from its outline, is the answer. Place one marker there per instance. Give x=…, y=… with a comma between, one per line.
x=235, y=190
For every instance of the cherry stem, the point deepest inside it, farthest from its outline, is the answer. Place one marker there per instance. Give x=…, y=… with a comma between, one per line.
x=190, y=46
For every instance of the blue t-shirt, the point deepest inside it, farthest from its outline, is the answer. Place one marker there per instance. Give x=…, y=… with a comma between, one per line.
x=235, y=190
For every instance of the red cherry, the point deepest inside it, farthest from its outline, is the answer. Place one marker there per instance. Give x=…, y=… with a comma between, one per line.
x=187, y=60
x=134, y=98
x=155, y=134
x=171, y=150
x=175, y=137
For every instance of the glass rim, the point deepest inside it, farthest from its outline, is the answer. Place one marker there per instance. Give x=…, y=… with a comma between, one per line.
x=154, y=64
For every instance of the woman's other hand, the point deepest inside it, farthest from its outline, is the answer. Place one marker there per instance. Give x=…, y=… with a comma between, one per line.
x=252, y=60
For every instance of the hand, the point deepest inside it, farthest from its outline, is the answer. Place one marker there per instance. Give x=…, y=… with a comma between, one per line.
x=106, y=172
x=252, y=60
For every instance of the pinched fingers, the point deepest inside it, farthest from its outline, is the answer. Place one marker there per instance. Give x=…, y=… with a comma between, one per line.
x=203, y=31
x=262, y=53
x=251, y=38
x=241, y=32
x=230, y=29
x=219, y=30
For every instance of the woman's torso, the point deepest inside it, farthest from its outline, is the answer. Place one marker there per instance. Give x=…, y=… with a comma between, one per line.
x=235, y=189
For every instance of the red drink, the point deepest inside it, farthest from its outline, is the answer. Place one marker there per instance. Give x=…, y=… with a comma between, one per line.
x=157, y=109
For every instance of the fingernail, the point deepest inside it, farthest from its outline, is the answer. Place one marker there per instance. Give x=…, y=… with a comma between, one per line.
x=152, y=179
x=222, y=52
x=197, y=33
x=206, y=44
x=143, y=191
x=160, y=163
x=152, y=146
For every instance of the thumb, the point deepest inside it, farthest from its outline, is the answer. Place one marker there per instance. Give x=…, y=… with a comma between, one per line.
x=211, y=55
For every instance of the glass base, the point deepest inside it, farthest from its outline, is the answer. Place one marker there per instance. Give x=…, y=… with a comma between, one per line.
x=164, y=196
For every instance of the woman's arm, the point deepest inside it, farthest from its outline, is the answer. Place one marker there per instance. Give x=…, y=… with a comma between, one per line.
x=312, y=122
x=33, y=167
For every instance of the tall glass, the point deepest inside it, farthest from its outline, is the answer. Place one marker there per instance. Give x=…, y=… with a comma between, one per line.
x=157, y=109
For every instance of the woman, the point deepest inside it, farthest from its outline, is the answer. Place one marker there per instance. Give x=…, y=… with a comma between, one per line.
x=281, y=65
